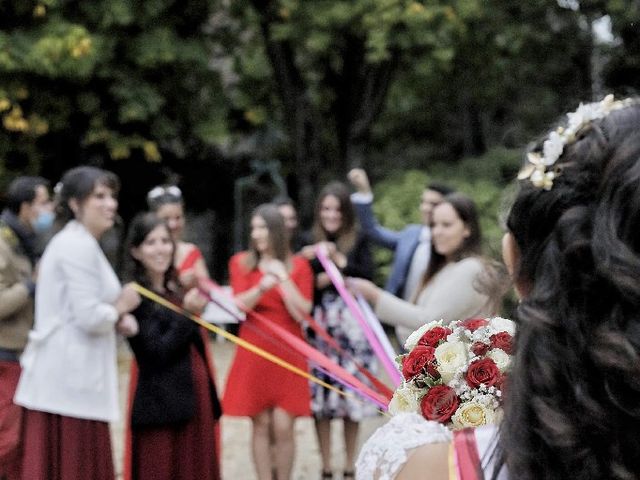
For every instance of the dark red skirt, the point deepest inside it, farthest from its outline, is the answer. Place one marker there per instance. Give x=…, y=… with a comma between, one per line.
x=10, y=422
x=63, y=448
x=184, y=452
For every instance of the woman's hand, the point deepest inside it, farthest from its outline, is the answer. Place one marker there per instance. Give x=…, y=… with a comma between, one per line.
x=127, y=325
x=359, y=179
x=322, y=280
x=194, y=301
x=308, y=252
x=278, y=269
x=128, y=300
x=188, y=278
x=267, y=282
x=366, y=288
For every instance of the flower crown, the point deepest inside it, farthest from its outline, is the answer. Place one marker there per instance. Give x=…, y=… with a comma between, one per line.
x=539, y=164
x=454, y=374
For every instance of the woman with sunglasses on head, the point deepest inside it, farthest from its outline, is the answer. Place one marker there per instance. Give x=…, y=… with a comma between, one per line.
x=166, y=202
x=69, y=381
x=174, y=404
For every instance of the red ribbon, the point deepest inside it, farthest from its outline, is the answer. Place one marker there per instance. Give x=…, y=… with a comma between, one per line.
x=382, y=398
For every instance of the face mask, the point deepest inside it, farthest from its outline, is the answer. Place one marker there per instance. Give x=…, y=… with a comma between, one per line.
x=43, y=222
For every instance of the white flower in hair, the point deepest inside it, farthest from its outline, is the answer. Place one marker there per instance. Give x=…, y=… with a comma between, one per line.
x=538, y=170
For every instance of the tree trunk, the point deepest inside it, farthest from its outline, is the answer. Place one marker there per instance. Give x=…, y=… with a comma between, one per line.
x=300, y=116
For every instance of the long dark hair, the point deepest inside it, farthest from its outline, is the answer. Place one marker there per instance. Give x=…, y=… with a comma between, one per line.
x=278, y=236
x=573, y=399
x=134, y=270
x=79, y=183
x=345, y=237
x=465, y=209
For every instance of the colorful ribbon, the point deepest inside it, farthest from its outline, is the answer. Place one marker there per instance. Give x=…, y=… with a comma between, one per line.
x=208, y=285
x=338, y=283
x=375, y=325
x=352, y=383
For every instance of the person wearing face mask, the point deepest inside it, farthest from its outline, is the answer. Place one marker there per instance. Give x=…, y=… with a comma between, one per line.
x=27, y=212
x=459, y=283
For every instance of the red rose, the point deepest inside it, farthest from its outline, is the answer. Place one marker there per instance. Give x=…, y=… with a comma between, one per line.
x=479, y=348
x=503, y=341
x=474, y=323
x=421, y=357
x=439, y=404
x=434, y=336
x=483, y=371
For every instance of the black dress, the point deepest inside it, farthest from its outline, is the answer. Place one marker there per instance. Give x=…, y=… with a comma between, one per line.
x=175, y=407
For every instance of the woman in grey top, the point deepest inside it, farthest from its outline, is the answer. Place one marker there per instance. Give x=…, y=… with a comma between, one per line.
x=458, y=283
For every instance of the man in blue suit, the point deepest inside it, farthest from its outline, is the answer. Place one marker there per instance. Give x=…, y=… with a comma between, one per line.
x=411, y=245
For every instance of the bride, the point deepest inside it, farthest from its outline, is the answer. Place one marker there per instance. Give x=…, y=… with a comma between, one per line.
x=573, y=250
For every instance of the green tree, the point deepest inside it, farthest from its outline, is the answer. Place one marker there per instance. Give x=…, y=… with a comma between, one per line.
x=106, y=79
x=329, y=65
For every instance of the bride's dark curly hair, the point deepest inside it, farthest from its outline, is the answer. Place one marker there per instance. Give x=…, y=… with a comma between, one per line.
x=573, y=399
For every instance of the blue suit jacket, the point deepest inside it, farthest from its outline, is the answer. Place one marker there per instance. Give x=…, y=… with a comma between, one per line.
x=403, y=243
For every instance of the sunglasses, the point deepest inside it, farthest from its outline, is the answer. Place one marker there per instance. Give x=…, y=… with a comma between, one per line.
x=160, y=191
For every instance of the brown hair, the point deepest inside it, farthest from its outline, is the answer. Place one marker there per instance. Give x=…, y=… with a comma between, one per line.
x=465, y=209
x=278, y=239
x=345, y=237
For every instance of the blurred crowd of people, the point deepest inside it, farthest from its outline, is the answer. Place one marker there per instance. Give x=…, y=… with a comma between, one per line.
x=57, y=406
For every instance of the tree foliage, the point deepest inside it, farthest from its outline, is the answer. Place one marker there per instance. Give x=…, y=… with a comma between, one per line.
x=320, y=85
x=106, y=80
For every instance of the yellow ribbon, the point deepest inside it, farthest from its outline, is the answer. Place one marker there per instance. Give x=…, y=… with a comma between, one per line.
x=238, y=341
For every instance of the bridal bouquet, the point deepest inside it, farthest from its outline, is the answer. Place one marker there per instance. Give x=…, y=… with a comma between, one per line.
x=454, y=374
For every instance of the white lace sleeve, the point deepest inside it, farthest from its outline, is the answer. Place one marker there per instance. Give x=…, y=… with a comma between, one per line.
x=386, y=451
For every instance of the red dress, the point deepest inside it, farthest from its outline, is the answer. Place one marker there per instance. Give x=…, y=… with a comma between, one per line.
x=253, y=383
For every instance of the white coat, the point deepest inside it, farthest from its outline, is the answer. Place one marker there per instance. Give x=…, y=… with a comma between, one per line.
x=69, y=366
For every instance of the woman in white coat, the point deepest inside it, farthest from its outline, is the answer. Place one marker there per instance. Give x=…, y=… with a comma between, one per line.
x=68, y=384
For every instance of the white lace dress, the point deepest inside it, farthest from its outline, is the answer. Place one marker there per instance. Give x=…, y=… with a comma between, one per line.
x=384, y=454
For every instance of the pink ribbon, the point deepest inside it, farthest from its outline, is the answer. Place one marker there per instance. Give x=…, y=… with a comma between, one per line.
x=338, y=282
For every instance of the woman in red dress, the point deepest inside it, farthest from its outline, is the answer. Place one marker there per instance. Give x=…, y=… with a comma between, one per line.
x=272, y=282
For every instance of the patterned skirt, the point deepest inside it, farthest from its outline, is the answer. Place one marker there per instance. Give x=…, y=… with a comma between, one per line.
x=333, y=315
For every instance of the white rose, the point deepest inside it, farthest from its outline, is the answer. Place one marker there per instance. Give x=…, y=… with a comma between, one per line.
x=503, y=325
x=502, y=359
x=404, y=400
x=451, y=356
x=413, y=339
x=472, y=414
